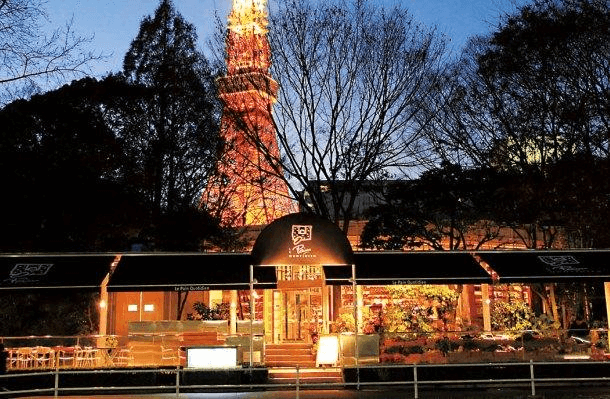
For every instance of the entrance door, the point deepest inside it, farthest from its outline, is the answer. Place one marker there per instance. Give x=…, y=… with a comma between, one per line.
x=297, y=315
x=294, y=312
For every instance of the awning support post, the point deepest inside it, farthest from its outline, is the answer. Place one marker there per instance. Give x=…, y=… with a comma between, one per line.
x=103, y=306
x=233, y=313
x=252, y=315
x=355, y=296
x=607, y=296
x=486, y=307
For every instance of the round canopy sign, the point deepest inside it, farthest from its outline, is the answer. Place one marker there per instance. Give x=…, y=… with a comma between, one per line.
x=302, y=239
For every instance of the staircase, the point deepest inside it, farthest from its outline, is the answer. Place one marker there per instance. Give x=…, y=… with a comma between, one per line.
x=289, y=355
x=282, y=360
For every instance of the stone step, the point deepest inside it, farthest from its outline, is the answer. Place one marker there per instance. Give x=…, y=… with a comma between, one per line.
x=305, y=358
x=289, y=355
x=290, y=352
x=290, y=345
x=306, y=376
x=290, y=363
x=305, y=372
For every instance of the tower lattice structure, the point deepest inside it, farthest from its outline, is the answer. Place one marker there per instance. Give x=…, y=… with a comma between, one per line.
x=247, y=188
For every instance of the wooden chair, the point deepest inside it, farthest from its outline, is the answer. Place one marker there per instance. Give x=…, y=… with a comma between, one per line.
x=25, y=358
x=65, y=356
x=11, y=361
x=87, y=357
x=122, y=357
x=44, y=357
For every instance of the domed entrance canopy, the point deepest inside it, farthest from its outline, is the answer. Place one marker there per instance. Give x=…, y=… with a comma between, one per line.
x=302, y=239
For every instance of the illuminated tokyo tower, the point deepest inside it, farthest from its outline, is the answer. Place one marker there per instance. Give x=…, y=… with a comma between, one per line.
x=247, y=189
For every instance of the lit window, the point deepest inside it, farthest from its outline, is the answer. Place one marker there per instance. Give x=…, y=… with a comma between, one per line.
x=149, y=307
x=132, y=308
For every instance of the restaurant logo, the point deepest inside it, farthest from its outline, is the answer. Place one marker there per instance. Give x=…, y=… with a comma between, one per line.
x=24, y=273
x=301, y=242
x=561, y=263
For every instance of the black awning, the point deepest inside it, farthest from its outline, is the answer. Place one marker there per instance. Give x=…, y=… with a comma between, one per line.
x=21, y=272
x=188, y=272
x=338, y=275
x=417, y=267
x=548, y=266
x=302, y=239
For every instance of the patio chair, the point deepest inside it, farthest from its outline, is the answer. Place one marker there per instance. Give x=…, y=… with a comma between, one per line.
x=65, y=356
x=25, y=358
x=11, y=361
x=87, y=357
x=170, y=356
x=44, y=357
x=122, y=357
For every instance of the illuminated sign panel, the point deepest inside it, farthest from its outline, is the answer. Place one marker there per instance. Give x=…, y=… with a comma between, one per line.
x=328, y=350
x=211, y=357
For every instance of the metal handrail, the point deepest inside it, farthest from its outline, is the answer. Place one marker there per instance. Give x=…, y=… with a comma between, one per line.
x=416, y=383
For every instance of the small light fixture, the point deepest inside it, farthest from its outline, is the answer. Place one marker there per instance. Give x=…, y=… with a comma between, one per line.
x=149, y=307
x=132, y=308
x=102, y=304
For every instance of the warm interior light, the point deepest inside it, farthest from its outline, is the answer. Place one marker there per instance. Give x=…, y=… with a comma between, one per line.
x=102, y=304
x=149, y=307
x=132, y=308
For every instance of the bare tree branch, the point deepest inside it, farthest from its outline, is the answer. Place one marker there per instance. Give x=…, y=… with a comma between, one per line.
x=31, y=58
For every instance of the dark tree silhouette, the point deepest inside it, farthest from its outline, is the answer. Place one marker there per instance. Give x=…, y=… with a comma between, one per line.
x=171, y=134
x=532, y=93
x=58, y=166
x=445, y=209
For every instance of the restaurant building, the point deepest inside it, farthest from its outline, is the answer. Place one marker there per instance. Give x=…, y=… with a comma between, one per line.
x=302, y=280
x=301, y=301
